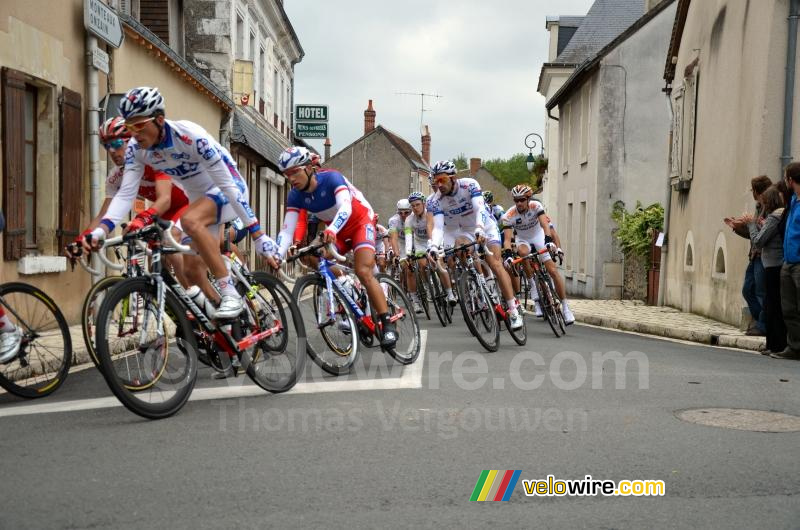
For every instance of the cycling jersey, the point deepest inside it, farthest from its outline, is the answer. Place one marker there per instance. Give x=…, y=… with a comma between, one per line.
x=381, y=233
x=416, y=233
x=336, y=202
x=147, y=190
x=497, y=211
x=461, y=211
x=397, y=226
x=526, y=224
x=195, y=160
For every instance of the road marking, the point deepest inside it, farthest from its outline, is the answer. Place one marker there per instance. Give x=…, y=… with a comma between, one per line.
x=410, y=379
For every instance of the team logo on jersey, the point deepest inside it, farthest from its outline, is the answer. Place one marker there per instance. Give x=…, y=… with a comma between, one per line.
x=370, y=233
x=183, y=170
x=180, y=156
x=340, y=220
x=205, y=149
x=308, y=200
x=185, y=139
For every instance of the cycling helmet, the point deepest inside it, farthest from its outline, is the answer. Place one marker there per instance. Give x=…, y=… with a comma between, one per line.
x=294, y=157
x=488, y=196
x=403, y=204
x=444, y=166
x=416, y=196
x=113, y=128
x=142, y=101
x=316, y=160
x=521, y=190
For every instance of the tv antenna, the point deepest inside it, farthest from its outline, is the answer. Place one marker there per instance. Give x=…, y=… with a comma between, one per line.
x=422, y=109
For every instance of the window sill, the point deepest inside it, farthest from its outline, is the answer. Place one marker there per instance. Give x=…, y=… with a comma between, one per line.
x=30, y=265
x=565, y=171
x=582, y=277
x=584, y=162
x=568, y=274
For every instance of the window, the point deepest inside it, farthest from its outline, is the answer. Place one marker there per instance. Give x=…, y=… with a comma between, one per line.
x=252, y=49
x=582, y=241
x=261, y=75
x=569, y=236
x=565, y=138
x=586, y=109
x=239, y=36
x=275, y=97
x=176, y=26
x=684, y=126
x=29, y=190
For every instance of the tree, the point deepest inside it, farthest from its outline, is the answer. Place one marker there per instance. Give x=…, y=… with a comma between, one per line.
x=511, y=171
x=461, y=162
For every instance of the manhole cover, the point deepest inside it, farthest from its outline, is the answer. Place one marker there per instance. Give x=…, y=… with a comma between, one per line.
x=742, y=419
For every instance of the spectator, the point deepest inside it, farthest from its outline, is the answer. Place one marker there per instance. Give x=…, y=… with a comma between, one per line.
x=790, y=272
x=754, y=287
x=767, y=238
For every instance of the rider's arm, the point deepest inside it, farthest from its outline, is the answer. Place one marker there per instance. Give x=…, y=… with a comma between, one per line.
x=478, y=206
x=120, y=206
x=301, y=229
x=409, y=234
x=437, y=234
x=344, y=204
x=393, y=236
x=163, y=194
x=285, y=238
x=96, y=221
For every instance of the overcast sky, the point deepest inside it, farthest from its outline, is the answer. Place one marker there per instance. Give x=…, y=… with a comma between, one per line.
x=483, y=57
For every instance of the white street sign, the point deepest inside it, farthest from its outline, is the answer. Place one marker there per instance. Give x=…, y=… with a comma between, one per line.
x=100, y=60
x=103, y=22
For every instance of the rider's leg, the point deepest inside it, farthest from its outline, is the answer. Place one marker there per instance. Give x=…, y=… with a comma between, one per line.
x=557, y=279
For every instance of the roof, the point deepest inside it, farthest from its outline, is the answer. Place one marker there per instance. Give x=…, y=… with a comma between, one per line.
x=591, y=63
x=564, y=21
x=408, y=152
x=246, y=132
x=605, y=20
x=675, y=40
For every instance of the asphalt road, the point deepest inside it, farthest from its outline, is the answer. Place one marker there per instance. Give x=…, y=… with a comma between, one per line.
x=404, y=447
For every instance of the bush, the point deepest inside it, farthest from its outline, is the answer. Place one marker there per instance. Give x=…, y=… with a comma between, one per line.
x=636, y=228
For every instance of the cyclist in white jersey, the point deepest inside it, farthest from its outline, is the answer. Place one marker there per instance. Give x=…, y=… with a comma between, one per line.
x=208, y=175
x=532, y=227
x=396, y=227
x=458, y=208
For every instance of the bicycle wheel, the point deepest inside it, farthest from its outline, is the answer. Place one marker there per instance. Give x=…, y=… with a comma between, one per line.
x=422, y=292
x=45, y=352
x=547, y=303
x=401, y=310
x=332, y=338
x=159, y=357
x=562, y=324
x=520, y=335
x=91, y=304
x=523, y=295
x=275, y=362
x=478, y=312
x=438, y=297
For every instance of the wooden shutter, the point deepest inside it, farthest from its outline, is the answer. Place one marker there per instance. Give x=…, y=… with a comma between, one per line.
x=70, y=185
x=155, y=15
x=13, y=163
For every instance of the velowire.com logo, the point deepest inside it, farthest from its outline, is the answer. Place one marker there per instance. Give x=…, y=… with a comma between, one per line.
x=496, y=485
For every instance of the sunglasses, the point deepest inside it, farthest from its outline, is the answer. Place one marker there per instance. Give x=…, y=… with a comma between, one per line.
x=138, y=126
x=114, y=144
x=521, y=199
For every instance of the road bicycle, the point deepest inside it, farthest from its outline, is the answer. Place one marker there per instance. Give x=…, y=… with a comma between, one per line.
x=548, y=298
x=45, y=353
x=149, y=331
x=339, y=317
x=482, y=305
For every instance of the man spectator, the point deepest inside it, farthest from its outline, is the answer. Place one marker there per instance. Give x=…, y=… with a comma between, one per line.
x=790, y=271
x=754, y=287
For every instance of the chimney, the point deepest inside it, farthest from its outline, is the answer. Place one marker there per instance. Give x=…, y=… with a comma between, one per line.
x=327, y=149
x=369, y=118
x=474, y=166
x=426, y=146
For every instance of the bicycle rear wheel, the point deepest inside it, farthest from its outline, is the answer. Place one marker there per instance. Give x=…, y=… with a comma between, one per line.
x=275, y=362
x=478, y=312
x=153, y=371
x=547, y=303
x=332, y=337
x=91, y=305
x=408, y=345
x=45, y=352
x=422, y=292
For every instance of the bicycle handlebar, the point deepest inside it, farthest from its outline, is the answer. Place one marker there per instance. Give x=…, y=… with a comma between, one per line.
x=313, y=248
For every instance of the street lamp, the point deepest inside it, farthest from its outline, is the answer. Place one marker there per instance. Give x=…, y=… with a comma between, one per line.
x=530, y=143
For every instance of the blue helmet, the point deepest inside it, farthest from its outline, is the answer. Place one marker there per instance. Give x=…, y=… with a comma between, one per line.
x=416, y=196
x=444, y=166
x=294, y=157
x=142, y=101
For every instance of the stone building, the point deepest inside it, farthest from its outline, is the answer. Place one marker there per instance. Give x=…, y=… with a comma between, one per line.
x=383, y=165
x=488, y=181
x=611, y=141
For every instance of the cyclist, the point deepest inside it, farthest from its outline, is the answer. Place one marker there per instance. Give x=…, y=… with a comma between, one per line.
x=349, y=217
x=496, y=210
x=528, y=219
x=10, y=335
x=458, y=208
x=396, y=226
x=417, y=243
x=204, y=168
x=381, y=242
x=168, y=200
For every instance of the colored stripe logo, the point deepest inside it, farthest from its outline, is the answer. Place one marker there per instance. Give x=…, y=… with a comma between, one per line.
x=496, y=485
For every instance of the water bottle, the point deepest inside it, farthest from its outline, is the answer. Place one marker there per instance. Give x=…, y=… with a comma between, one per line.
x=201, y=301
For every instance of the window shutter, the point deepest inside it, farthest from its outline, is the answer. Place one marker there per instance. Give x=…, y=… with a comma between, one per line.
x=70, y=185
x=13, y=163
x=154, y=14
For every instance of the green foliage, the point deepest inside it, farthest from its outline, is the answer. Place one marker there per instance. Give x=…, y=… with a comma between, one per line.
x=511, y=171
x=461, y=162
x=636, y=228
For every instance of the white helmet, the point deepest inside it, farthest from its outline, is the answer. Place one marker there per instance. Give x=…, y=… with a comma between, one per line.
x=142, y=101
x=294, y=157
x=444, y=166
x=403, y=204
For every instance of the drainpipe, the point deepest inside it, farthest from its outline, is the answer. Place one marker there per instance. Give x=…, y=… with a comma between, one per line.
x=791, y=57
x=662, y=272
x=93, y=124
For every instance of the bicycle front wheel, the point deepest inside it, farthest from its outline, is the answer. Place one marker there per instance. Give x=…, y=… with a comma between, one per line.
x=548, y=303
x=438, y=297
x=45, y=351
x=478, y=312
x=151, y=362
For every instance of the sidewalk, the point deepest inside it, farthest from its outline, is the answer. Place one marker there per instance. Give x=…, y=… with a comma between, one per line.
x=635, y=316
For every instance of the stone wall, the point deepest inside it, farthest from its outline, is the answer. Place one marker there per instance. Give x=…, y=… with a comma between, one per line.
x=208, y=39
x=635, y=277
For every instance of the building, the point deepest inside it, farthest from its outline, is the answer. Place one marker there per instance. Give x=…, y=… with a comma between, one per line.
x=383, y=165
x=612, y=130
x=248, y=48
x=735, y=116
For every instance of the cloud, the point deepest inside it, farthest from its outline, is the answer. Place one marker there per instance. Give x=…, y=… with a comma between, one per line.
x=483, y=57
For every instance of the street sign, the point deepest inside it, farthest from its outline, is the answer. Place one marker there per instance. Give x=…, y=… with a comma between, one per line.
x=311, y=112
x=311, y=130
x=100, y=60
x=102, y=22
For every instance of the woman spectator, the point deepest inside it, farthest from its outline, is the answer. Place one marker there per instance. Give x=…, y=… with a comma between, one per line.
x=767, y=237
